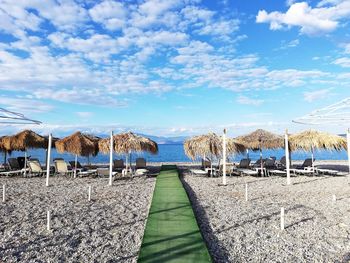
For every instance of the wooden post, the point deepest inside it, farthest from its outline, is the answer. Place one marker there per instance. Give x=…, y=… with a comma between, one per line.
x=89, y=196
x=282, y=218
x=246, y=192
x=3, y=193
x=48, y=220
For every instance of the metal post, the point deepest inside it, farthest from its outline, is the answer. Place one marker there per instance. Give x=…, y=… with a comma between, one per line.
x=76, y=164
x=3, y=193
x=224, y=158
x=282, y=218
x=111, y=160
x=89, y=195
x=48, y=159
x=246, y=192
x=48, y=221
x=25, y=163
x=287, y=157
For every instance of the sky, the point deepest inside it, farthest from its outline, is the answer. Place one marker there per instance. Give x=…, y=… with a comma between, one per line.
x=172, y=68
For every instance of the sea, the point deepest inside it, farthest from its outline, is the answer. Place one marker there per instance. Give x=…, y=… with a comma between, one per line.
x=175, y=153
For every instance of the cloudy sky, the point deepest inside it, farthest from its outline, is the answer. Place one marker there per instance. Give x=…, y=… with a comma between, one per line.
x=172, y=67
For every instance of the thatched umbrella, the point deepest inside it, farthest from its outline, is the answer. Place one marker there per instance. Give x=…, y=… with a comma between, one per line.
x=127, y=143
x=4, y=149
x=261, y=139
x=22, y=141
x=78, y=144
x=310, y=140
x=210, y=145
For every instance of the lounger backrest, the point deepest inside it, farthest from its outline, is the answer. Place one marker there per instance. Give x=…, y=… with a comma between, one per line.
x=72, y=164
x=34, y=166
x=273, y=158
x=206, y=164
x=270, y=163
x=13, y=163
x=244, y=163
x=283, y=161
x=140, y=163
x=307, y=162
x=61, y=166
x=118, y=164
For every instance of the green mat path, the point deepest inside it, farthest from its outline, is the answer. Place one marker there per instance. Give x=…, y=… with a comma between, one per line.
x=172, y=233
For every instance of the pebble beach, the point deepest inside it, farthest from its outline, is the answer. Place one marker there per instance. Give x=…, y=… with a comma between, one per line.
x=316, y=227
x=109, y=228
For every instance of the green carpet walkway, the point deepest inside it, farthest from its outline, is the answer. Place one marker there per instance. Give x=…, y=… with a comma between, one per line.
x=172, y=233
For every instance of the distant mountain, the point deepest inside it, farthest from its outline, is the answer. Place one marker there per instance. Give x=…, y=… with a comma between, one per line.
x=158, y=139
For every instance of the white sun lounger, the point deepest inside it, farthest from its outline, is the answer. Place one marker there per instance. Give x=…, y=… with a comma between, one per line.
x=198, y=172
x=244, y=171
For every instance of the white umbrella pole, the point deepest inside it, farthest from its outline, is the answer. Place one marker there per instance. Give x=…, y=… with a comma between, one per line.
x=76, y=164
x=111, y=159
x=287, y=157
x=25, y=163
x=312, y=159
x=224, y=157
x=348, y=140
x=48, y=159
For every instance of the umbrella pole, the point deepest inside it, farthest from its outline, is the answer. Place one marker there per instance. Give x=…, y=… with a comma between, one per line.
x=25, y=163
x=111, y=159
x=211, y=166
x=247, y=154
x=287, y=157
x=48, y=160
x=5, y=155
x=76, y=164
x=261, y=162
x=312, y=159
x=224, y=158
x=348, y=141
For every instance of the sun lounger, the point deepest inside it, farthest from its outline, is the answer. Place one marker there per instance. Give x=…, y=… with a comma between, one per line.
x=198, y=172
x=245, y=171
x=61, y=167
x=35, y=168
x=277, y=172
x=140, y=163
x=118, y=165
x=307, y=163
x=302, y=171
x=104, y=172
x=205, y=164
x=15, y=168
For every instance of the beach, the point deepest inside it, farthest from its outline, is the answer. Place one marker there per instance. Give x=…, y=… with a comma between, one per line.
x=109, y=228
x=316, y=227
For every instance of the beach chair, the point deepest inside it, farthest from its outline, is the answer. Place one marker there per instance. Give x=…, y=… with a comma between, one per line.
x=61, y=167
x=257, y=164
x=140, y=167
x=306, y=164
x=12, y=168
x=270, y=163
x=206, y=164
x=118, y=165
x=140, y=163
x=244, y=168
x=35, y=168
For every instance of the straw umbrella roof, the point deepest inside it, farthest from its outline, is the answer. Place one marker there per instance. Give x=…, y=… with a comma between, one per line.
x=261, y=139
x=128, y=142
x=310, y=139
x=24, y=140
x=79, y=144
x=210, y=144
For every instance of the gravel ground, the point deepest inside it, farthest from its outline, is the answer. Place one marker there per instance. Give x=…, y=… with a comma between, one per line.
x=317, y=229
x=107, y=229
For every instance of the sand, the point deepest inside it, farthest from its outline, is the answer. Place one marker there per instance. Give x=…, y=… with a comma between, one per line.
x=317, y=229
x=107, y=229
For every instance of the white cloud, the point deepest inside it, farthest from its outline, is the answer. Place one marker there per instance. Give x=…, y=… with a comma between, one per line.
x=24, y=105
x=111, y=14
x=343, y=62
x=249, y=100
x=311, y=96
x=220, y=28
x=290, y=44
x=84, y=114
x=310, y=20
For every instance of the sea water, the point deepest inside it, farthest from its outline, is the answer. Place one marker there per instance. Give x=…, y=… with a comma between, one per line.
x=175, y=153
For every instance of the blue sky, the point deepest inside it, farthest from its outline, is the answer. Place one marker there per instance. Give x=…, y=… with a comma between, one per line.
x=172, y=68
